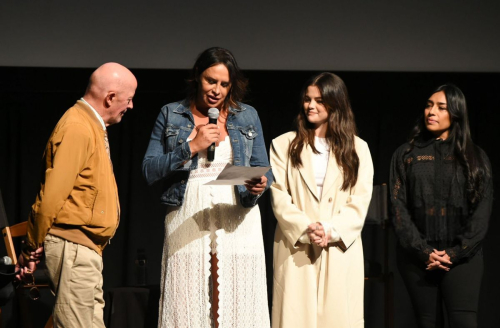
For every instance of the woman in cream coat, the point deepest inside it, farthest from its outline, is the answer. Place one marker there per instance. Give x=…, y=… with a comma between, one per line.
x=323, y=185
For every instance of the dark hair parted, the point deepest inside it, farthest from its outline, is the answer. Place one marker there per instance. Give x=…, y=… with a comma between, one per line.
x=467, y=154
x=341, y=127
x=211, y=57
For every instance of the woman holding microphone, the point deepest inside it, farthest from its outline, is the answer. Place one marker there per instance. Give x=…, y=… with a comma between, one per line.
x=213, y=269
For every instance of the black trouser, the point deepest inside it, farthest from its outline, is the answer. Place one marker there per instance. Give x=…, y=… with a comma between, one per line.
x=458, y=289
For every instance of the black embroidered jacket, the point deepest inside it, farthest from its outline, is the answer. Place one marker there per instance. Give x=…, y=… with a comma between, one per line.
x=429, y=202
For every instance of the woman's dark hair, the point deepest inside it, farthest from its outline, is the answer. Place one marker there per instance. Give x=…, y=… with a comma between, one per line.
x=467, y=154
x=211, y=57
x=341, y=127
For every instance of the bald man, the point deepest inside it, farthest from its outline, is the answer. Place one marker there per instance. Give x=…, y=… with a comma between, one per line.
x=77, y=211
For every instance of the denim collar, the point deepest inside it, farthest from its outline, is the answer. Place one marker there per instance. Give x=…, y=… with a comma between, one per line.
x=235, y=110
x=183, y=107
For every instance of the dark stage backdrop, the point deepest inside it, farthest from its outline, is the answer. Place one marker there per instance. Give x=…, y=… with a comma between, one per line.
x=355, y=35
x=386, y=106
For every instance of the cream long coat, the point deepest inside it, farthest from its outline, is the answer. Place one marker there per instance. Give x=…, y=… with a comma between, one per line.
x=314, y=286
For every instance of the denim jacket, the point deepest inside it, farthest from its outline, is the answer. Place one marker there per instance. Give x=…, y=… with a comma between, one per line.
x=168, y=157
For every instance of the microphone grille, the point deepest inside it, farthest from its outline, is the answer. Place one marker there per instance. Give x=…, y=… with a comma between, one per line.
x=6, y=260
x=213, y=113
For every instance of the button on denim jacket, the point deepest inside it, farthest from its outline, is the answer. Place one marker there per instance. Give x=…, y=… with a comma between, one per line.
x=168, y=157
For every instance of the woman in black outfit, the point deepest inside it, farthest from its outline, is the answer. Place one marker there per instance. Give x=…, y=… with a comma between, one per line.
x=442, y=194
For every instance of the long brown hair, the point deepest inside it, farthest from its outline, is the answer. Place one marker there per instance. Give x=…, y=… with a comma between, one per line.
x=211, y=57
x=341, y=128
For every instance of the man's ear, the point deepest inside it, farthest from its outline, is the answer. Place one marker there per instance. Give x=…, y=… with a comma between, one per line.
x=110, y=97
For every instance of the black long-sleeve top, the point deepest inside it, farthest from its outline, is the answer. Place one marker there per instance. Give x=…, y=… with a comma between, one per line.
x=430, y=205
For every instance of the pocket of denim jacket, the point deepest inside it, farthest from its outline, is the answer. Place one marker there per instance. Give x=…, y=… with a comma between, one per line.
x=249, y=132
x=171, y=134
x=171, y=131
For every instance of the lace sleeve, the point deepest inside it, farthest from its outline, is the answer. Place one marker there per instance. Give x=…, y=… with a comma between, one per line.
x=477, y=225
x=407, y=233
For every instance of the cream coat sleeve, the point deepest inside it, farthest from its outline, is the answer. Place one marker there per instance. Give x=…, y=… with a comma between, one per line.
x=349, y=219
x=293, y=222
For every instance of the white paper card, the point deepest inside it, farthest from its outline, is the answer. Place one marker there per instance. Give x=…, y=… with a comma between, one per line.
x=236, y=175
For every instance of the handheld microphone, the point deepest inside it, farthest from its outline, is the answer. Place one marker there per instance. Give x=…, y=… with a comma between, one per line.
x=213, y=115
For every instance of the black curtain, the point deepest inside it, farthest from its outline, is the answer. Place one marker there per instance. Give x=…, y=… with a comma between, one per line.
x=386, y=105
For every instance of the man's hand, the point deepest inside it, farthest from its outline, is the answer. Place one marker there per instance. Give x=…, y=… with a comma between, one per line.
x=27, y=268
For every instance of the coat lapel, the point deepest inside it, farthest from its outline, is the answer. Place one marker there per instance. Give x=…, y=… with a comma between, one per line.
x=333, y=174
x=307, y=170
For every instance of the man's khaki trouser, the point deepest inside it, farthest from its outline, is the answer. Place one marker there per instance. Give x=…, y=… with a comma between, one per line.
x=76, y=275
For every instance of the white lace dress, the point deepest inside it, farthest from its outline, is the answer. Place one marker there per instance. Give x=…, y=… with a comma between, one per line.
x=211, y=220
